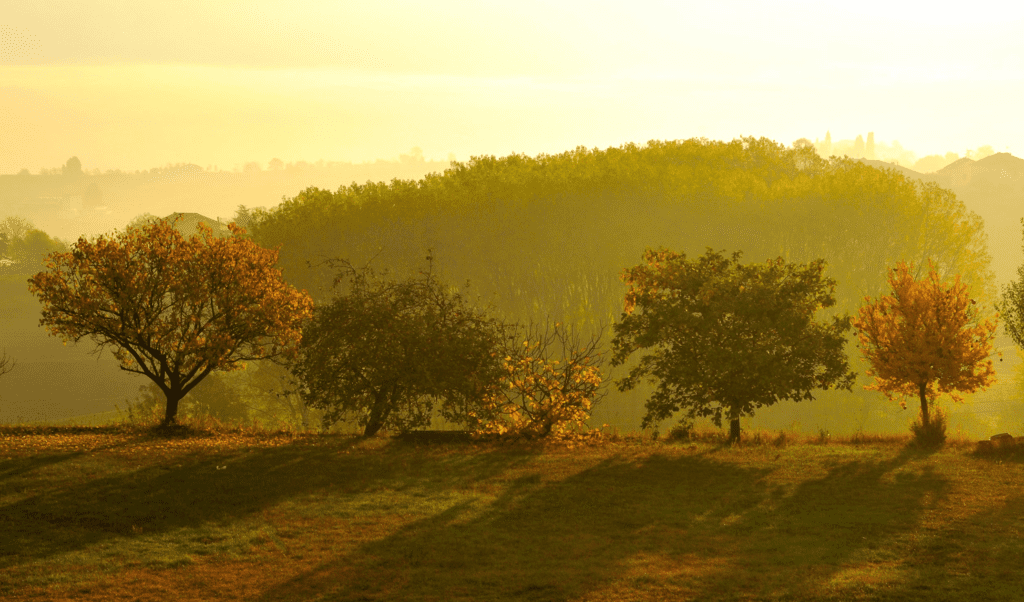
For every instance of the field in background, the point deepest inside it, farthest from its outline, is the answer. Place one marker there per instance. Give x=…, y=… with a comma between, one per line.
x=119, y=513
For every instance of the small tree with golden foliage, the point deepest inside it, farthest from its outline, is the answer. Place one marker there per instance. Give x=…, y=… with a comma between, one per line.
x=926, y=339
x=539, y=395
x=173, y=309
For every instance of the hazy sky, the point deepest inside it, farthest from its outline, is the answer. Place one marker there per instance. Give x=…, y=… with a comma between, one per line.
x=134, y=85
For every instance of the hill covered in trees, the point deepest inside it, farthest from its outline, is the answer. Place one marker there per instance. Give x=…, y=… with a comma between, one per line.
x=547, y=237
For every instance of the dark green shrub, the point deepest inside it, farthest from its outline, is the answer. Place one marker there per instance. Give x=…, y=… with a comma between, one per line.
x=934, y=435
x=680, y=432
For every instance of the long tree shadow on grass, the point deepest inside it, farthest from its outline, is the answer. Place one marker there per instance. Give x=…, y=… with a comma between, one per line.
x=975, y=557
x=797, y=542
x=694, y=525
x=203, y=487
x=16, y=467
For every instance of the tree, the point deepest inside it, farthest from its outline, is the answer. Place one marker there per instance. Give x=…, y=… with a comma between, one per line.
x=563, y=214
x=173, y=309
x=728, y=338
x=34, y=246
x=73, y=168
x=249, y=218
x=925, y=339
x=216, y=398
x=982, y=152
x=273, y=390
x=540, y=395
x=1011, y=306
x=15, y=227
x=6, y=364
x=24, y=243
x=143, y=219
x=384, y=351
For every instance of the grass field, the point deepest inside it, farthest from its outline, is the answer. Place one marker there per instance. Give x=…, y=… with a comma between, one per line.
x=119, y=513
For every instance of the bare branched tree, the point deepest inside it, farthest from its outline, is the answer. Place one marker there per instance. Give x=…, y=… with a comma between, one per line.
x=6, y=364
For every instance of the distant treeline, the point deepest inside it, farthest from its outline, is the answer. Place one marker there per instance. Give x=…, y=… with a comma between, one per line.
x=71, y=200
x=551, y=234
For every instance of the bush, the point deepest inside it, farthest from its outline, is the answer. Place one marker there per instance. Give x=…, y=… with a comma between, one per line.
x=935, y=434
x=541, y=396
x=215, y=398
x=147, y=408
x=680, y=432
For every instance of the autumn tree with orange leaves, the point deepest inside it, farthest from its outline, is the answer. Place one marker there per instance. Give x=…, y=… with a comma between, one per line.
x=173, y=309
x=925, y=339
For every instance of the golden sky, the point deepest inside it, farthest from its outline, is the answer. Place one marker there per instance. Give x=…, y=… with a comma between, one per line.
x=134, y=85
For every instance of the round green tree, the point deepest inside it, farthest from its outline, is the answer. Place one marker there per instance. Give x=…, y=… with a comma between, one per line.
x=723, y=339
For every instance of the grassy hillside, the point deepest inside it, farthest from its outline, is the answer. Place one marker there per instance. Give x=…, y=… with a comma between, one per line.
x=120, y=514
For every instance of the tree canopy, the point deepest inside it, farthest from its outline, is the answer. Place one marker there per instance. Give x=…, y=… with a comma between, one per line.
x=928, y=337
x=1011, y=306
x=384, y=351
x=26, y=245
x=723, y=338
x=173, y=309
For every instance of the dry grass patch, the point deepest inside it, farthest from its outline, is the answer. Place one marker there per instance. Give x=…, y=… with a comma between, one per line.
x=122, y=513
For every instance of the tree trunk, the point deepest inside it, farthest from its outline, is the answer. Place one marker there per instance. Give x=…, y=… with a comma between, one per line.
x=734, y=430
x=304, y=410
x=378, y=415
x=171, y=414
x=924, y=404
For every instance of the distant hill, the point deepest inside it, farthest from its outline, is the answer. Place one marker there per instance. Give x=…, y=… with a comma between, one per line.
x=906, y=171
x=188, y=224
x=98, y=203
x=993, y=188
x=999, y=172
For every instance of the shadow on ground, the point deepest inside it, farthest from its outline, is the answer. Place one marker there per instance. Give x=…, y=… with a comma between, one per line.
x=190, y=490
x=694, y=525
